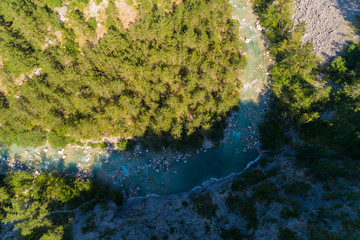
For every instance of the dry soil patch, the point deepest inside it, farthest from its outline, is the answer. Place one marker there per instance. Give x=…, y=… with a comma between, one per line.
x=127, y=13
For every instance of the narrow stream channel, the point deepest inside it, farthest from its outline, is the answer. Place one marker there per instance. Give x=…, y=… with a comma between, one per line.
x=141, y=171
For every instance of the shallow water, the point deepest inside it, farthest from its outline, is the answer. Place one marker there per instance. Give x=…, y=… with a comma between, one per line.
x=142, y=171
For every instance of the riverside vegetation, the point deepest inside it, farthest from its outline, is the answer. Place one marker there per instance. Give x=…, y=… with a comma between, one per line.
x=42, y=207
x=322, y=111
x=173, y=70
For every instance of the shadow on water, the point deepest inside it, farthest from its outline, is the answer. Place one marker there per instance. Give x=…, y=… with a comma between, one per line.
x=177, y=166
x=187, y=143
x=236, y=150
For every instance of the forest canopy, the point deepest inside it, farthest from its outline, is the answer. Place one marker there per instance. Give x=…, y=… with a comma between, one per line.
x=89, y=69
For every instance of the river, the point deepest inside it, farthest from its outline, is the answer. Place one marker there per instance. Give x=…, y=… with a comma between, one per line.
x=143, y=171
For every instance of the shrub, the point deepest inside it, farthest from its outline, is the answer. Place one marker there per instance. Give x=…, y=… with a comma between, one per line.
x=204, y=205
x=126, y=145
x=104, y=206
x=249, y=177
x=263, y=161
x=288, y=213
x=273, y=171
x=298, y=188
x=90, y=225
x=116, y=196
x=245, y=207
x=185, y=204
x=92, y=23
x=87, y=207
x=287, y=234
x=264, y=192
x=232, y=234
x=56, y=140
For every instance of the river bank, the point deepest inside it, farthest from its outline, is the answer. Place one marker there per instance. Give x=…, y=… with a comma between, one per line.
x=143, y=171
x=272, y=199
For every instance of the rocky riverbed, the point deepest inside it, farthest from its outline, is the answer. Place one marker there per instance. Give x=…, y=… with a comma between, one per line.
x=329, y=24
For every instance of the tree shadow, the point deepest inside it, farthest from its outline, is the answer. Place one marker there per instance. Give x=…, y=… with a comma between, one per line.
x=349, y=9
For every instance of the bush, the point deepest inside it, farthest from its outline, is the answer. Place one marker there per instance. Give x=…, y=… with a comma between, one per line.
x=264, y=192
x=88, y=207
x=90, y=225
x=126, y=145
x=92, y=145
x=273, y=171
x=287, y=213
x=104, y=206
x=116, y=196
x=245, y=207
x=33, y=139
x=298, y=188
x=232, y=234
x=247, y=178
x=56, y=140
x=287, y=234
x=92, y=23
x=185, y=204
x=204, y=205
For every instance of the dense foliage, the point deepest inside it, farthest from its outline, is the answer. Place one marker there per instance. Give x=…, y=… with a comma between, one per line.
x=297, y=92
x=323, y=111
x=175, y=70
x=43, y=206
x=27, y=202
x=339, y=128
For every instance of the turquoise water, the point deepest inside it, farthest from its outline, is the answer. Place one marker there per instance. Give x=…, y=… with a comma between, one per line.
x=142, y=171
